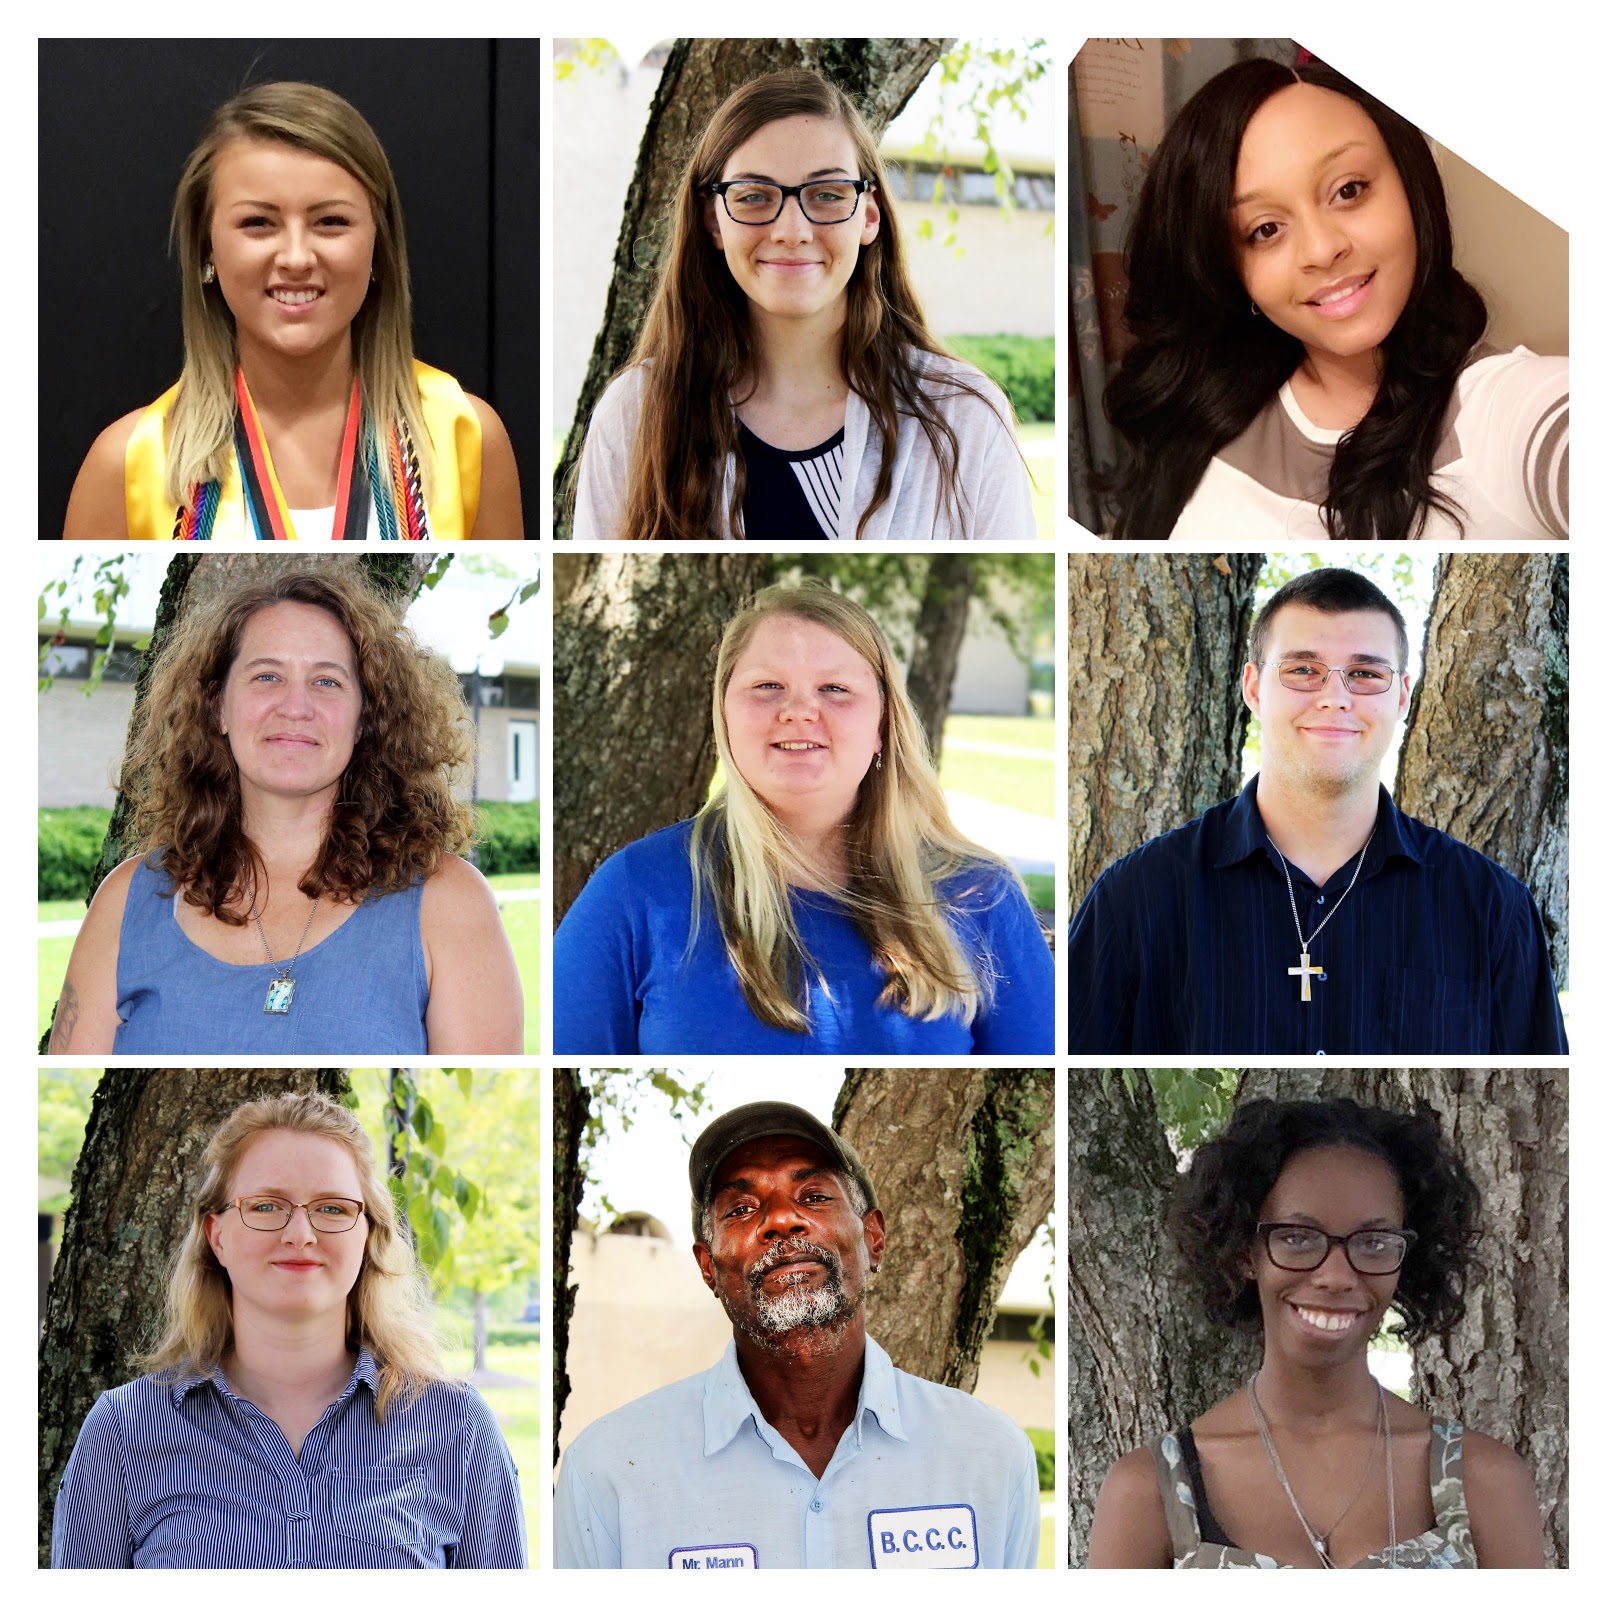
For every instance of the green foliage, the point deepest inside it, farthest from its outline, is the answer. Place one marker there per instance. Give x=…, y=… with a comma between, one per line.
x=65, y=1093
x=613, y=1097
x=592, y=54
x=110, y=588
x=69, y=849
x=510, y=837
x=1192, y=1102
x=1040, y=891
x=1022, y=366
x=1043, y=1451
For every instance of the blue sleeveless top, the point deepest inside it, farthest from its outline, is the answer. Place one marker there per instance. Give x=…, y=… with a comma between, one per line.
x=362, y=991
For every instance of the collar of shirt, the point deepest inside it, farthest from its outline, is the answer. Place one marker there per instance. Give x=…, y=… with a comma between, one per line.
x=364, y=1372
x=728, y=1404
x=1244, y=834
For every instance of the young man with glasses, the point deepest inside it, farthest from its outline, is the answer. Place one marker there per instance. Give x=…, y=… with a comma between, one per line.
x=1308, y=915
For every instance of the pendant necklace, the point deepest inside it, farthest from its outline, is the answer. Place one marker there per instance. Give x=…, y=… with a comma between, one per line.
x=1381, y=1436
x=283, y=987
x=1306, y=970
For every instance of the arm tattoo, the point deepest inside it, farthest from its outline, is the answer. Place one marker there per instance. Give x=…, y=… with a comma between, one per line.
x=61, y=1032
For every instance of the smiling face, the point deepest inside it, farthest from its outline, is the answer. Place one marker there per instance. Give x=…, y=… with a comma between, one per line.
x=292, y=1273
x=793, y=268
x=292, y=239
x=291, y=702
x=1327, y=248
x=1328, y=741
x=1330, y=1312
x=785, y=1247
x=803, y=718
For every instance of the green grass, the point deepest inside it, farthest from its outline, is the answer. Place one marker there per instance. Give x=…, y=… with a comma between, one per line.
x=1007, y=730
x=519, y=1416
x=62, y=909
x=522, y=920
x=1040, y=892
x=1038, y=447
x=1027, y=784
x=1046, y=1534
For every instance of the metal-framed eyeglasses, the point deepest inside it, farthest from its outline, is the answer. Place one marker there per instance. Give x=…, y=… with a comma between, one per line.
x=824, y=201
x=1307, y=675
x=1299, y=1247
x=267, y=1213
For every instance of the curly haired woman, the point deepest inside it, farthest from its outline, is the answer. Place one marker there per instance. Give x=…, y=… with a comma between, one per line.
x=298, y=889
x=1314, y=1218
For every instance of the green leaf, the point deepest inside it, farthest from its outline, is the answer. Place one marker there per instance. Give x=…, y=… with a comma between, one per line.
x=498, y=623
x=423, y=1120
x=436, y=1142
x=465, y=1081
x=442, y=1225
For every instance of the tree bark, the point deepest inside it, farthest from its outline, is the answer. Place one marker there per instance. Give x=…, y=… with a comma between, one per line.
x=571, y=1109
x=1486, y=750
x=939, y=635
x=133, y=1189
x=1504, y=1369
x=634, y=637
x=1141, y=1359
x=963, y=1163
x=1156, y=646
x=878, y=75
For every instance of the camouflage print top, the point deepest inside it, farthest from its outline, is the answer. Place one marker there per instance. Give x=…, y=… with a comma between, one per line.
x=1449, y=1544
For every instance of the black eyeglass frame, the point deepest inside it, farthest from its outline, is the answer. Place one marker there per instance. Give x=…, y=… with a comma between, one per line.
x=1265, y=1230
x=720, y=186
x=296, y=1205
x=1345, y=673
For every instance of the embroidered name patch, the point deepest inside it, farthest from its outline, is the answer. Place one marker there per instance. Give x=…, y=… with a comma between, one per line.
x=923, y=1537
x=705, y=1559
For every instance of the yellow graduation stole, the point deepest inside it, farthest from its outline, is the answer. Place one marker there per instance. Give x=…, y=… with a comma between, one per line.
x=378, y=471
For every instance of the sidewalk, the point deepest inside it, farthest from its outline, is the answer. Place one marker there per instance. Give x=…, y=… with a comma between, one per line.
x=1027, y=841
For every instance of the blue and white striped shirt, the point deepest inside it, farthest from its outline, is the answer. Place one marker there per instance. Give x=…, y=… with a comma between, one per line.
x=186, y=1474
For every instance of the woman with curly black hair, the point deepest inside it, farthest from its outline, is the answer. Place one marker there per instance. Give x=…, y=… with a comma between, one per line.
x=1313, y=1218
x=1307, y=363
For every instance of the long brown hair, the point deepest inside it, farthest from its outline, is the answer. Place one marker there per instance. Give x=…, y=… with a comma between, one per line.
x=695, y=344
x=395, y=818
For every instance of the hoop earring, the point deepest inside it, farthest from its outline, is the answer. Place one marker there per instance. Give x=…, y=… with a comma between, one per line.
x=208, y=273
x=1255, y=311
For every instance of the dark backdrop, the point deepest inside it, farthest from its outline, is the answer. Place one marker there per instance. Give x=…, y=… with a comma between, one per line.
x=117, y=118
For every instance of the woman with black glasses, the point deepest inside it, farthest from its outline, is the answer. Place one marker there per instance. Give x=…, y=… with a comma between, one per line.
x=1313, y=1219
x=785, y=385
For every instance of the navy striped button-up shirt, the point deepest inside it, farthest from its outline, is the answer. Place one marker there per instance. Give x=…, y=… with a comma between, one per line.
x=1185, y=947
x=186, y=1474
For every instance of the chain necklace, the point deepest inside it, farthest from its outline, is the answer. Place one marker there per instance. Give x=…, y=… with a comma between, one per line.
x=283, y=987
x=1306, y=970
x=1381, y=1435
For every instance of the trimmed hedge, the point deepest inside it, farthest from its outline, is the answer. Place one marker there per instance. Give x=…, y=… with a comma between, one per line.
x=69, y=847
x=1022, y=366
x=70, y=839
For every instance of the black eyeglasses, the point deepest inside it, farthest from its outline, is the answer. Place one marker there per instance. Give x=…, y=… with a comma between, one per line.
x=825, y=201
x=1306, y=675
x=1298, y=1247
x=269, y=1214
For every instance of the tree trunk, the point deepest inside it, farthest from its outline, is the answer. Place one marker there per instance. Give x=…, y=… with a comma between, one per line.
x=1486, y=750
x=1505, y=1368
x=939, y=634
x=479, y=1330
x=634, y=637
x=878, y=75
x=1156, y=646
x=1140, y=1358
x=963, y=1163
x=571, y=1109
x=133, y=1188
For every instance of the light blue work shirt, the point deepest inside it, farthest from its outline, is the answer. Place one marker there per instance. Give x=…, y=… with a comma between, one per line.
x=691, y=1477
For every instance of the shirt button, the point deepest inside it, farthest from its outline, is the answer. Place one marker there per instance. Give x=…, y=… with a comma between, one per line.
x=1322, y=1051
x=1321, y=899
x=815, y=1505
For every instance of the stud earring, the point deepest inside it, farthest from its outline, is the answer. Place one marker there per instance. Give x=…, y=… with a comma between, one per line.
x=208, y=273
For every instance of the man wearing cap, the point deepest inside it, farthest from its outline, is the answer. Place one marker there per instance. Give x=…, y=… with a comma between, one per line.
x=803, y=1446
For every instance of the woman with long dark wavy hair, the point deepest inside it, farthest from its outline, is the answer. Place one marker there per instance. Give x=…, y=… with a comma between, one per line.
x=1307, y=363
x=298, y=888
x=785, y=385
x=1311, y=1220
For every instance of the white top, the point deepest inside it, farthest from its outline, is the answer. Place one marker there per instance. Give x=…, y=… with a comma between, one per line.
x=318, y=524
x=995, y=494
x=1503, y=459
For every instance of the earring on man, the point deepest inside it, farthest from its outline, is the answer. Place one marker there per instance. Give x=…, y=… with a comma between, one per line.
x=208, y=273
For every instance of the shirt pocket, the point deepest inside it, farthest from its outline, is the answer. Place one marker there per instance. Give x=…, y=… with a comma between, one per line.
x=1428, y=1012
x=380, y=1512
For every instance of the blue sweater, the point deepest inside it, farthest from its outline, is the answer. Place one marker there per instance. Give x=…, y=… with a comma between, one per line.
x=623, y=982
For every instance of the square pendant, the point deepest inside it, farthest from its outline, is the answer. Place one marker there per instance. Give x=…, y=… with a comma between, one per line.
x=280, y=992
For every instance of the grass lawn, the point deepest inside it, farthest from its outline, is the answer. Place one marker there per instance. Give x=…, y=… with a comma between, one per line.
x=1040, y=892
x=522, y=919
x=519, y=1415
x=1027, y=784
x=1007, y=730
x=1038, y=448
x=1046, y=1533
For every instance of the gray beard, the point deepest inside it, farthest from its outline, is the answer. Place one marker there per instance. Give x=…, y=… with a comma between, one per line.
x=815, y=1307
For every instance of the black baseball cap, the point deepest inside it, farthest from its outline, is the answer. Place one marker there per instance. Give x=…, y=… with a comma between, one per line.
x=767, y=1118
